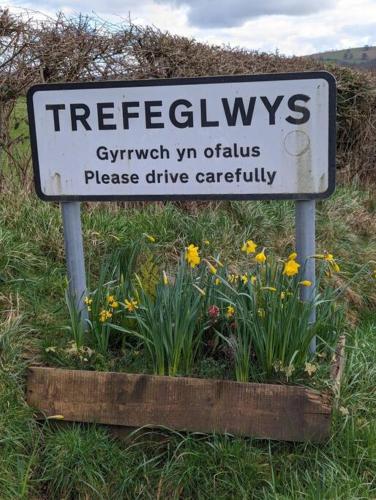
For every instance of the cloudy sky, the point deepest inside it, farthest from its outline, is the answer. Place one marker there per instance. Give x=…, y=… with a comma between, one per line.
x=291, y=26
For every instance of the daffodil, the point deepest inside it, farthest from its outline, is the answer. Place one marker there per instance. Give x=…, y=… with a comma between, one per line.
x=278, y=366
x=305, y=283
x=51, y=348
x=212, y=269
x=202, y=292
x=260, y=257
x=165, y=278
x=131, y=305
x=230, y=311
x=112, y=302
x=217, y=282
x=328, y=257
x=261, y=312
x=289, y=370
x=291, y=268
x=104, y=315
x=192, y=256
x=344, y=411
x=335, y=266
x=233, y=278
x=88, y=301
x=244, y=279
x=253, y=280
x=283, y=295
x=310, y=368
x=150, y=238
x=249, y=247
x=292, y=256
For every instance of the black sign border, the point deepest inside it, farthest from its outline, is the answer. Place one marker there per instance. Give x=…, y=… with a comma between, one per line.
x=264, y=77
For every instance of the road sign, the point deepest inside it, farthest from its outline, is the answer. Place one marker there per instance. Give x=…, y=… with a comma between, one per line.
x=237, y=137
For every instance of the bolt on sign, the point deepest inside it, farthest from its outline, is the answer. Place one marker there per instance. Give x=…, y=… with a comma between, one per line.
x=237, y=137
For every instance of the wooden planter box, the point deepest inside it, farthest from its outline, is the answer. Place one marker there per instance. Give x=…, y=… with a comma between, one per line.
x=282, y=412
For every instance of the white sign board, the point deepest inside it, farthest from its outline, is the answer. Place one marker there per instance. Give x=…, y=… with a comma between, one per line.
x=239, y=137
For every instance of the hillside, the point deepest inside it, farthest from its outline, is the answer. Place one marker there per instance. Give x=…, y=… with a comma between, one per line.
x=359, y=57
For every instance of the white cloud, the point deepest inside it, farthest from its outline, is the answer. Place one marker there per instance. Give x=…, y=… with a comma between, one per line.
x=225, y=13
x=272, y=26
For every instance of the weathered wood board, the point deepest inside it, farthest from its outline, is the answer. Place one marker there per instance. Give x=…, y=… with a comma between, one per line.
x=280, y=412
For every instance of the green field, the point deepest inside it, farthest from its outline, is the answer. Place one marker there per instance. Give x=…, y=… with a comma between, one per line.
x=54, y=460
x=355, y=56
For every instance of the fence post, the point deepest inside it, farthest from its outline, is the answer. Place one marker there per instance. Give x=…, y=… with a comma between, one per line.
x=74, y=254
x=305, y=237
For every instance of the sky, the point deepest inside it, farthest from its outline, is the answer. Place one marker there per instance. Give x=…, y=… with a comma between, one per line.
x=293, y=27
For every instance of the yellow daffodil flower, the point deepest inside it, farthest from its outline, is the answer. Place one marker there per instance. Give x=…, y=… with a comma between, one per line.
x=192, y=256
x=249, y=247
x=202, y=292
x=104, y=315
x=260, y=257
x=328, y=257
x=230, y=311
x=344, y=411
x=310, y=368
x=261, y=312
x=165, y=278
x=253, y=280
x=289, y=370
x=233, y=278
x=305, y=283
x=51, y=348
x=88, y=301
x=150, y=238
x=291, y=268
x=131, y=305
x=244, y=279
x=217, y=282
x=212, y=269
x=292, y=256
x=335, y=266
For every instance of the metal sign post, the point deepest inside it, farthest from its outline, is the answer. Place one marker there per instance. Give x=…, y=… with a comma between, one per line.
x=305, y=215
x=74, y=253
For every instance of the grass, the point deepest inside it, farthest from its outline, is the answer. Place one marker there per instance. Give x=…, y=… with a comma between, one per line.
x=74, y=461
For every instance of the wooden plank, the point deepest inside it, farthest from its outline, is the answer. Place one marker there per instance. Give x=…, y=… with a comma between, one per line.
x=280, y=412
